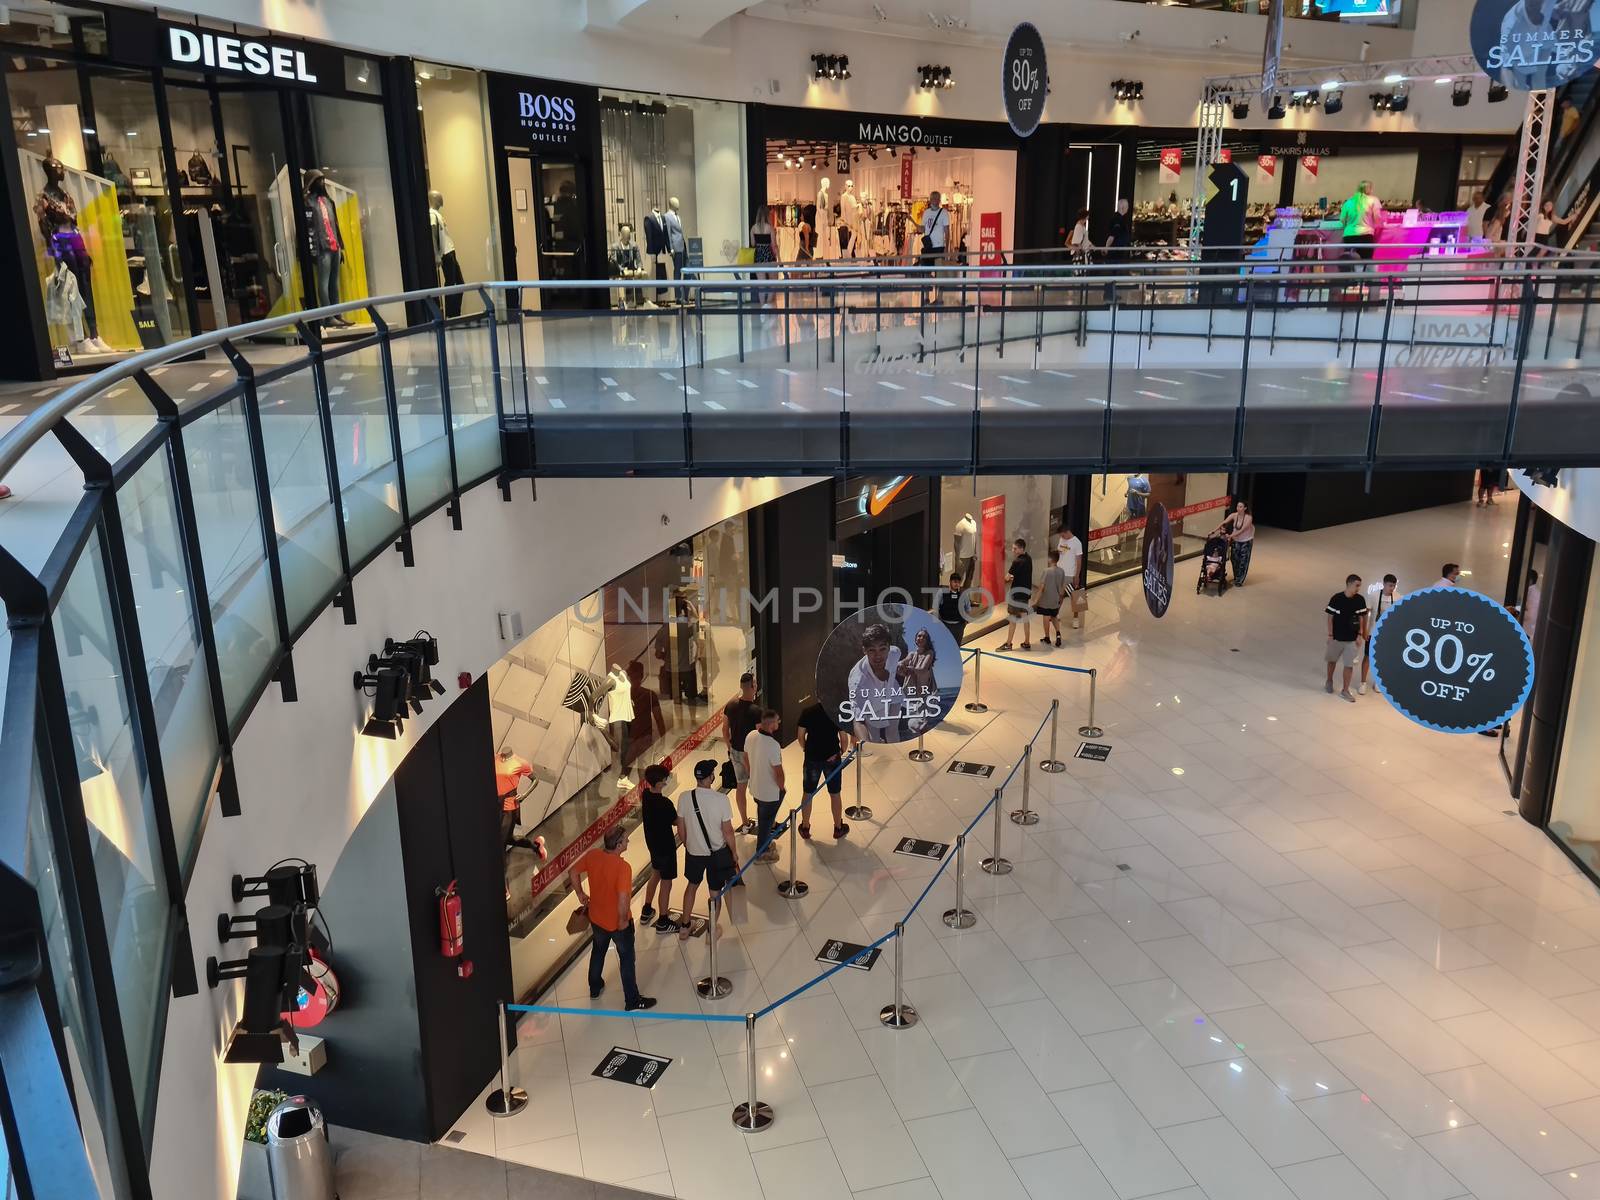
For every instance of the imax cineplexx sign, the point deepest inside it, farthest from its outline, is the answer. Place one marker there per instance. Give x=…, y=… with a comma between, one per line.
x=1531, y=45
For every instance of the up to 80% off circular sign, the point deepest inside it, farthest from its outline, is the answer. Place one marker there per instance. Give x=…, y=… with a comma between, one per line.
x=1452, y=660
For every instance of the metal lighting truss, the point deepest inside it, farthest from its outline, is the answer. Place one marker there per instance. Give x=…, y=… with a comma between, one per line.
x=1220, y=91
x=1527, y=181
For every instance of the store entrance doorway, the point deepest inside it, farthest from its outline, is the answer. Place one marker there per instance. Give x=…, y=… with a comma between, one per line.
x=550, y=226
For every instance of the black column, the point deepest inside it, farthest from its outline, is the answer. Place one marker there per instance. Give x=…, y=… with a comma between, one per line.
x=791, y=549
x=1563, y=589
x=1078, y=501
x=409, y=172
x=25, y=350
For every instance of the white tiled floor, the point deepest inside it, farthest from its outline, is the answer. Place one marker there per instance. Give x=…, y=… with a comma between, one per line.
x=1320, y=964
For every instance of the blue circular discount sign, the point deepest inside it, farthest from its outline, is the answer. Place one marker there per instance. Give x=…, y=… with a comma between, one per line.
x=1452, y=660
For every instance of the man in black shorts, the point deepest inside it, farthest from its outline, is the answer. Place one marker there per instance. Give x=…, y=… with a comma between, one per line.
x=823, y=744
x=739, y=716
x=705, y=828
x=660, y=820
x=1019, y=596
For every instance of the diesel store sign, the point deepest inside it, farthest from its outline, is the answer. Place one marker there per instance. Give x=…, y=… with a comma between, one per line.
x=201, y=48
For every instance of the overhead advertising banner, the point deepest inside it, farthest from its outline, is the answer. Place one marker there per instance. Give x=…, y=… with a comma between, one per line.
x=1171, y=164
x=1266, y=168
x=1157, y=560
x=889, y=673
x=1534, y=44
x=992, y=548
x=1024, y=81
x=1452, y=659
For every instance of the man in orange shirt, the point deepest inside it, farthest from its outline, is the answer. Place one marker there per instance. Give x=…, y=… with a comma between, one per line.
x=509, y=771
x=610, y=905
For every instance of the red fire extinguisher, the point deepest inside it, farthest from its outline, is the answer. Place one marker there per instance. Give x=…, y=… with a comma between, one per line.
x=452, y=929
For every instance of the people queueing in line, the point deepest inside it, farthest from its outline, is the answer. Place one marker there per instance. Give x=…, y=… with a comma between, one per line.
x=609, y=904
x=1347, y=628
x=1380, y=598
x=659, y=817
x=1050, y=594
x=739, y=716
x=705, y=830
x=765, y=758
x=1019, y=595
x=822, y=747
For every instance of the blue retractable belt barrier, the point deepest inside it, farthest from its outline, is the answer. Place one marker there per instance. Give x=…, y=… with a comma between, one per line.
x=643, y=1014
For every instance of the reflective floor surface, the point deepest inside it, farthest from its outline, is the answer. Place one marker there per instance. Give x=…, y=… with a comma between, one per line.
x=1276, y=946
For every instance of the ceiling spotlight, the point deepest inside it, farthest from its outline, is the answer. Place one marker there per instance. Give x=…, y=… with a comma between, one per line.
x=1276, y=112
x=1399, y=100
x=930, y=77
x=830, y=66
x=1333, y=101
x=1241, y=110
x=1544, y=476
x=389, y=686
x=1127, y=91
x=1461, y=94
x=1380, y=102
x=1497, y=92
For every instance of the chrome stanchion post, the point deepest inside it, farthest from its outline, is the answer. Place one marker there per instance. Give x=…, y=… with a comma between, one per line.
x=960, y=917
x=505, y=1101
x=976, y=704
x=791, y=887
x=752, y=1116
x=1025, y=815
x=1052, y=765
x=994, y=864
x=858, y=811
x=899, y=1015
x=920, y=754
x=1089, y=728
x=713, y=986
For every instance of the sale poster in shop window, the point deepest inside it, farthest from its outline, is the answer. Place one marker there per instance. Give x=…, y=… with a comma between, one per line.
x=992, y=543
x=989, y=254
x=1266, y=168
x=1309, y=165
x=1171, y=164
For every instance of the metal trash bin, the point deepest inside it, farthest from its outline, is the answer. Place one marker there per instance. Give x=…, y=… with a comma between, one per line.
x=299, y=1158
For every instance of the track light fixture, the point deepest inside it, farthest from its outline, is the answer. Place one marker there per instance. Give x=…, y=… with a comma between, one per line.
x=1276, y=112
x=830, y=66
x=389, y=687
x=1497, y=92
x=1544, y=476
x=1127, y=91
x=1303, y=98
x=1241, y=110
x=1391, y=102
x=1461, y=93
x=930, y=78
x=1333, y=101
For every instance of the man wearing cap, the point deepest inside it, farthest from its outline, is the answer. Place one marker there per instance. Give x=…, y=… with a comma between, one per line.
x=609, y=902
x=705, y=829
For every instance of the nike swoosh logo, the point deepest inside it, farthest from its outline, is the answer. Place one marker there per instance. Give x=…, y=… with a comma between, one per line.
x=883, y=496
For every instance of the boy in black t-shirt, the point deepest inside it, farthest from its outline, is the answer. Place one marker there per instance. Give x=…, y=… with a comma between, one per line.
x=823, y=744
x=1347, y=629
x=1019, y=595
x=660, y=820
x=739, y=716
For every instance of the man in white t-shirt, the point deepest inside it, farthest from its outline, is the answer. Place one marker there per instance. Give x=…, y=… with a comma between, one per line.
x=1381, y=597
x=1070, y=548
x=765, y=757
x=877, y=699
x=705, y=825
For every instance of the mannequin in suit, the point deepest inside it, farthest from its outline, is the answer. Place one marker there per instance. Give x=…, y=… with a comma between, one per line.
x=677, y=243
x=657, y=248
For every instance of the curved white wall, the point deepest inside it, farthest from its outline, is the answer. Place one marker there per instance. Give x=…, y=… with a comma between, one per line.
x=306, y=776
x=1575, y=503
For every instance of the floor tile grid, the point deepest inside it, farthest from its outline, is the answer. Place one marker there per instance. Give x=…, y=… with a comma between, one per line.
x=1341, y=819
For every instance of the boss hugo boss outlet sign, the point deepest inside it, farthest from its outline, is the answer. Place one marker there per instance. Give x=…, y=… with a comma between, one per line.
x=1452, y=660
x=544, y=113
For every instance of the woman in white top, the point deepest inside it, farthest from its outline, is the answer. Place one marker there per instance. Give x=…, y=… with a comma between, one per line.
x=1078, y=242
x=1239, y=527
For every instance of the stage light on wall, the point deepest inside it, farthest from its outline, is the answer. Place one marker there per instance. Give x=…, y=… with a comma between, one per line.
x=1497, y=92
x=1241, y=110
x=1333, y=101
x=830, y=66
x=1276, y=112
x=389, y=687
x=930, y=77
x=1127, y=91
x=1399, y=100
x=1461, y=94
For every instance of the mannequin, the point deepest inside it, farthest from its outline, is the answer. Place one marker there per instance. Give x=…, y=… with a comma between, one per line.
x=626, y=264
x=825, y=226
x=327, y=247
x=656, y=246
x=849, y=220
x=444, y=252
x=966, y=548
x=57, y=215
x=677, y=244
x=619, y=708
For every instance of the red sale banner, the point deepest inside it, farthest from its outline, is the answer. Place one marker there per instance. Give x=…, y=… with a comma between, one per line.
x=1171, y=163
x=1266, y=168
x=992, y=539
x=989, y=242
x=1173, y=514
x=1224, y=155
x=1309, y=164
x=905, y=176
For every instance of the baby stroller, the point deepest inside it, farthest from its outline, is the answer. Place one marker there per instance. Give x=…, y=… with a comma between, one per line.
x=1214, y=565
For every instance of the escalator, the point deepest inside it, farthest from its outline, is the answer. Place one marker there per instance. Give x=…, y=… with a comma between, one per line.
x=1572, y=165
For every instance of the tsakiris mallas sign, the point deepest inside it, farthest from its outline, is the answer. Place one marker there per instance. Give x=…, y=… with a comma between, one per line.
x=1534, y=44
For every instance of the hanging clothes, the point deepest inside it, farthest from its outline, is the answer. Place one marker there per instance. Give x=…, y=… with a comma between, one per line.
x=63, y=303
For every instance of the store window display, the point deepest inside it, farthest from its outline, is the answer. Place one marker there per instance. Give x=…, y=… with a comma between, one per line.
x=1118, y=505
x=455, y=135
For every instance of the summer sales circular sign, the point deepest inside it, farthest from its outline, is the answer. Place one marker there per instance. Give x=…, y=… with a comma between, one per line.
x=889, y=673
x=1534, y=44
x=1024, y=79
x=1452, y=660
